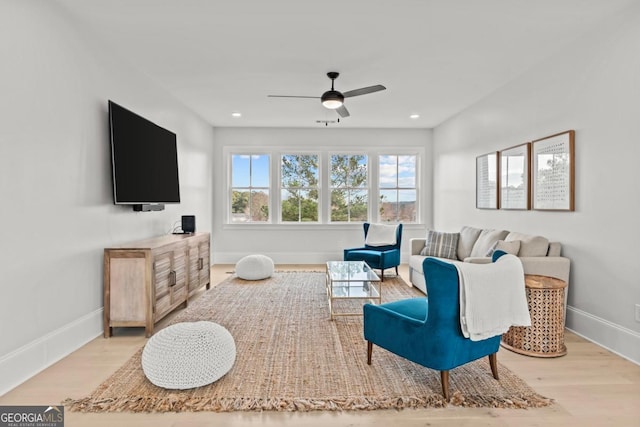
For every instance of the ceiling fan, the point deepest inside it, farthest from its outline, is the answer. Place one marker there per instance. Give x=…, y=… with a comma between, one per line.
x=334, y=100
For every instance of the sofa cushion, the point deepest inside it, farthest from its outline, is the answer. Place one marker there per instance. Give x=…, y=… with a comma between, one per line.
x=530, y=245
x=555, y=249
x=509, y=247
x=441, y=245
x=486, y=240
x=468, y=237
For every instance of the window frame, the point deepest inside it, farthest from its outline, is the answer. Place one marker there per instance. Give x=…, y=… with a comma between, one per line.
x=281, y=188
x=397, y=188
x=275, y=154
x=330, y=188
x=230, y=187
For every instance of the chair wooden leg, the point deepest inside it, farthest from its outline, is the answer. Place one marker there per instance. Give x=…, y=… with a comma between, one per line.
x=369, y=351
x=382, y=274
x=397, y=271
x=493, y=362
x=444, y=379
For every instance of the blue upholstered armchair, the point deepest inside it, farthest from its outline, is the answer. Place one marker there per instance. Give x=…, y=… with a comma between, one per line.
x=377, y=257
x=427, y=330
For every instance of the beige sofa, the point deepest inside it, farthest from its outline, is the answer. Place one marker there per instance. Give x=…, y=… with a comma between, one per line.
x=538, y=255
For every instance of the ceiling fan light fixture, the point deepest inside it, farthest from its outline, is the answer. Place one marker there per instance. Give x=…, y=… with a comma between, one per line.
x=332, y=99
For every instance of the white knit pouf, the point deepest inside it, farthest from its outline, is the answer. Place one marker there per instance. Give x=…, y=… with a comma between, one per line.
x=254, y=267
x=188, y=355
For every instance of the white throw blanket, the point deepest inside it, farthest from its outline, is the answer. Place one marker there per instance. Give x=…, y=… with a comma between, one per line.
x=381, y=235
x=492, y=297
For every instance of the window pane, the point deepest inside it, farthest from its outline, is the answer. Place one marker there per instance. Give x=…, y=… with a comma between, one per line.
x=239, y=206
x=309, y=206
x=388, y=171
x=299, y=206
x=359, y=205
x=290, y=205
x=407, y=171
x=260, y=205
x=348, y=170
x=260, y=170
x=339, y=206
x=240, y=170
x=406, y=206
x=388, y=205
x=299, y=170
x=339, y=170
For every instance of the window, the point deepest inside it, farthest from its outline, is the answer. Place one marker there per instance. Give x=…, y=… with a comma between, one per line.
x=397, y=192
x=335, y=185
x=249, y=188
x=349, y=188
x=299, y=190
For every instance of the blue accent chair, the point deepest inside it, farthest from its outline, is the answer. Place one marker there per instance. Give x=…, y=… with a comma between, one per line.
x=427, y=330
x=377, y=257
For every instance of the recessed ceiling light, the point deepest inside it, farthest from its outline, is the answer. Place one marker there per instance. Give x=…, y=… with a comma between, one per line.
x=236, y=114
x=414, y=116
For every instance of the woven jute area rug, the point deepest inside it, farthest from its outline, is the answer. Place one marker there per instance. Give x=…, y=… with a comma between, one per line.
x=291, y=357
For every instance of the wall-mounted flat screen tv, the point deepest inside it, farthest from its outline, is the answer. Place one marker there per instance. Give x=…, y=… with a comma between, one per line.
x=144, y=159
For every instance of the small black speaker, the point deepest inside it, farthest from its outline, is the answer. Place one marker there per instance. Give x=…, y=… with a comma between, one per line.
x=188, y=223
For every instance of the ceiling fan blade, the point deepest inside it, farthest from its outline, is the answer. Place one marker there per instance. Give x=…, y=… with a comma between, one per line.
x=292, y=96
x=363, y=91
x=342, y=111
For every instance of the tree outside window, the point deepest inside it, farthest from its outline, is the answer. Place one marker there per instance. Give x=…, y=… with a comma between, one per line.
x=397, y=188
x=250, y=188
x=349, y=188
x=299, y=188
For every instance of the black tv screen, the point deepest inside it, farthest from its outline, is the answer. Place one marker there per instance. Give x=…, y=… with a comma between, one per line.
x=144, y=158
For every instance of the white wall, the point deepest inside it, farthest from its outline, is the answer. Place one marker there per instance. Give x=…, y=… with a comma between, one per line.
x=307, y=243
x=594, y=88
x=55, y=183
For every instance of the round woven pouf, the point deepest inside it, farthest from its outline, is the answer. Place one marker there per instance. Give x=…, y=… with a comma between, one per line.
x=188, y=355
x=254, y=267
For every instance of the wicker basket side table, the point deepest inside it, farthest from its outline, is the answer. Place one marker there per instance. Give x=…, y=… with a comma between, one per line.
x=545, y=336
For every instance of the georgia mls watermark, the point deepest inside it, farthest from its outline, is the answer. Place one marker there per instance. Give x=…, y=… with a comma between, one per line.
x=31, y=416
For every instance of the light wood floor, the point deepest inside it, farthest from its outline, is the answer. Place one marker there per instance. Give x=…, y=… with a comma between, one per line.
x=591, y=386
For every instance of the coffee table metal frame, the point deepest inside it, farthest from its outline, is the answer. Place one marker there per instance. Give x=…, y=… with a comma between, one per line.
x=351, y=280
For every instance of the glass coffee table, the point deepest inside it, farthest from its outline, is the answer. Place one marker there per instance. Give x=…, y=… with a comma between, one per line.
x=351, y=280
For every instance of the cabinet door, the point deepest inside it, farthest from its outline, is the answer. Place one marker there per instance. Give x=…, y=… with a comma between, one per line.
x=163, y=278
x=194, y=267
x=178, y=286
x=199, y=263
x=205, y=262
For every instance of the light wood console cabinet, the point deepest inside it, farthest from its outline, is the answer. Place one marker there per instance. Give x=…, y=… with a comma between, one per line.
x=146, y=280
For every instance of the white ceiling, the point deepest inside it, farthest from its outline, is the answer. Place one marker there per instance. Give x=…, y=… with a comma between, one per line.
x=436, y=57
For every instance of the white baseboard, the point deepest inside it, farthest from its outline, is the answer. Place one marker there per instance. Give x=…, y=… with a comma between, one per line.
x=32, y=358
x=284, y=257
x=615, y=338
x=280, y=257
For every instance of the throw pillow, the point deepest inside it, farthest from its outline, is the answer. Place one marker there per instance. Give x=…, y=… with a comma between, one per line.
x=441, y=245
x=486, y=240
x=530, y=245
x=509, y=247
x=468, y=237
x=381, y=235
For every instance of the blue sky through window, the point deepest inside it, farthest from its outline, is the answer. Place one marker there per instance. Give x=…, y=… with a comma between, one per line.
x=250, y=170
x=399, y=172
